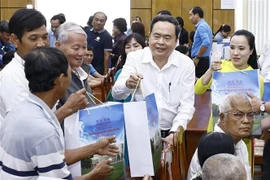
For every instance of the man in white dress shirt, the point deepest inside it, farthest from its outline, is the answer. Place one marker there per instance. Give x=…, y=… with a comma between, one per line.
x=161, y=70
x=236, y=119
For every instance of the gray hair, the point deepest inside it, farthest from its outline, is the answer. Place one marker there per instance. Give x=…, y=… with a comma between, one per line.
x=223, y=167
x=226, y=102
x=63, y=30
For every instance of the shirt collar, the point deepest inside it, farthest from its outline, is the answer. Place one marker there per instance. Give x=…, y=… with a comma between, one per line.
x=83, y=75
x=18, y=58
x=171, y=61
x=102, y=30
x=201, y=21
x=47, y=110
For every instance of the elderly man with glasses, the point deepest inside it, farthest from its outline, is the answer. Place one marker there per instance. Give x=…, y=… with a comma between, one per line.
x=236, y=119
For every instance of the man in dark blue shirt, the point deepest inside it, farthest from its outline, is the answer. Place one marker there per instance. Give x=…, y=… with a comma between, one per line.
x=5, y=45
x=101, y=41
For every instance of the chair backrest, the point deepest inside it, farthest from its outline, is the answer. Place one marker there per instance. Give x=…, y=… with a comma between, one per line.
x=113, y=71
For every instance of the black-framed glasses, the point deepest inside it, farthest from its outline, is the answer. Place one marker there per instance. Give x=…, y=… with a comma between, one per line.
x=240, y=115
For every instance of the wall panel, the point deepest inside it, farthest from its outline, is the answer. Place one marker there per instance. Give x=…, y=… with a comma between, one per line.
x=216, y=4
x=145, y=14
x=8, y=7
x=174, y=6
x=14, y=3
x=6, y=13
x=223, y=17
x=140, y=4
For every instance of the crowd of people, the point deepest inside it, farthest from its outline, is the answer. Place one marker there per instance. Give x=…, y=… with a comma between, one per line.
x=47, y=76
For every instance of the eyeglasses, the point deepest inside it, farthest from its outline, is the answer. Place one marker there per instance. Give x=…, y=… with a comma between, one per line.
x=241, y=115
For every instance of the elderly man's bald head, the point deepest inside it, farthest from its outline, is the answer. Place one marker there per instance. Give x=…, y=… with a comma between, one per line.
x=223, y=167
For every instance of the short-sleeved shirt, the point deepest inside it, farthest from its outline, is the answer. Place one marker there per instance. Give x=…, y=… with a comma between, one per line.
x=31, y=143
x=101, y=41
x=92, y=69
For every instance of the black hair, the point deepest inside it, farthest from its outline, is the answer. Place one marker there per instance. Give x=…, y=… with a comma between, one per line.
x=121, y=24
x=166, y=18
x=101, y=13
x=62, y=18
x=139, y=28
x=90, y=48
x=252, y=60
x=42, y=66
x=7, y=57
x=182, y=49
x=214, y=143
x=137, y=17
x=198, y=10
x=180, y=21
x=224, y=27
x=138, y=38
x=4, y=26
x=59, y=17
x=25, y=20
x=164, y=12
x=90, y=20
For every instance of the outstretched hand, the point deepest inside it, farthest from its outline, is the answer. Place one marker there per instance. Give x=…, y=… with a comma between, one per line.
x=106, y=148
x=103, y=169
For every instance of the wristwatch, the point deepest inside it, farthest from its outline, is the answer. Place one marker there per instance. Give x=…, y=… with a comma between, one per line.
x=262, y=107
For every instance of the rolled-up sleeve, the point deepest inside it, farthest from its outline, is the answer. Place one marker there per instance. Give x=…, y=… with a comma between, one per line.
x=204, y=37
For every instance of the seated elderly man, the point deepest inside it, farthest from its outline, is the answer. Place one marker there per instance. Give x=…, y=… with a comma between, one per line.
x=223, y=167
x=235, y=119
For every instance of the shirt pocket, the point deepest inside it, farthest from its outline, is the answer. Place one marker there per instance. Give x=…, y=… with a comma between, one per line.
x=173, y=98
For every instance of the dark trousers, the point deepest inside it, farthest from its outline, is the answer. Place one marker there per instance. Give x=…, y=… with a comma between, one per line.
x=164, y=133
x=266, y=160
x=202, y=66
